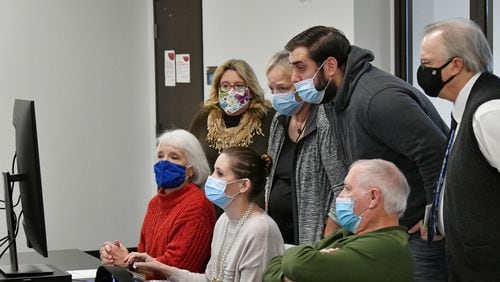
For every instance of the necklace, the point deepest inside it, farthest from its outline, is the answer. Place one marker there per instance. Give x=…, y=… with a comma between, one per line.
x=220, y=260
x=300, y=129
x=299, y=132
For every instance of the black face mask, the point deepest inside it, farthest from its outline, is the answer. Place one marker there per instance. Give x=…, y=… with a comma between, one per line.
x=430, y=79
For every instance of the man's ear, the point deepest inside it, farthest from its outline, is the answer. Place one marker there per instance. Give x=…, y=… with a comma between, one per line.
x=331, y=66
x=457, y=65
x=376, y=197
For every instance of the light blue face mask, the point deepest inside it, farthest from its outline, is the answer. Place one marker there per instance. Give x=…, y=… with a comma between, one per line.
x=285, y=104
x=214, y=190
x=346, y=217
x=308, y=92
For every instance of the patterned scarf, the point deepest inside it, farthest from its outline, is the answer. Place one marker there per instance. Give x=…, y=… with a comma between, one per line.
x=219, y=137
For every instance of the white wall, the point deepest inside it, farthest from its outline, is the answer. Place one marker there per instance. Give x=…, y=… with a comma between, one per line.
x=89, y=66
x=377, y=33
x=255, y=30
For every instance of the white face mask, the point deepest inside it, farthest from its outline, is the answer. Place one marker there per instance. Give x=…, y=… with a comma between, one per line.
x=308, y=92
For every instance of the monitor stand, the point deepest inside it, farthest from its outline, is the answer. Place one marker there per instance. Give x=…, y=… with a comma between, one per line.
x=48, y=273
x=25, y=269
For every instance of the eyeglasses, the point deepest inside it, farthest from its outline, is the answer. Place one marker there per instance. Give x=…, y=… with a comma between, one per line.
x=338, y=185
x=238, y=87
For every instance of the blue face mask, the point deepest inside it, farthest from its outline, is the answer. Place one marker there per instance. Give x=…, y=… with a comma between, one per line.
x=308, y=92
x=285, y=103
x=346, y=217
x=169, y=175
x=214, y=190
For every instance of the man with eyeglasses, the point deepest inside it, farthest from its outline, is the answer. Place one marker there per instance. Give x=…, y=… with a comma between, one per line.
x=371, y=246
x=456, y=65
x=376, y=115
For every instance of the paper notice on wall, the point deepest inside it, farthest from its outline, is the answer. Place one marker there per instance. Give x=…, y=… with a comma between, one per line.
x=169, y=68
x=183, y=68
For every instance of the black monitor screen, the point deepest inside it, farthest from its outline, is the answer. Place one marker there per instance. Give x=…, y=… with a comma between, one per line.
x=30, y=191
x=28, y=166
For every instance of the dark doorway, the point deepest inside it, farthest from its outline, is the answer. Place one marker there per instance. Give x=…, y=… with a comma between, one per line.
x=178, y=27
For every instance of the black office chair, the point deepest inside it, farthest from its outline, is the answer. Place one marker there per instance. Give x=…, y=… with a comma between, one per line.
x=113, y=274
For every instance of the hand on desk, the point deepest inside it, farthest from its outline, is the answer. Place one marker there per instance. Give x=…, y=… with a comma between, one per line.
x=113, y=253
x=144, y=263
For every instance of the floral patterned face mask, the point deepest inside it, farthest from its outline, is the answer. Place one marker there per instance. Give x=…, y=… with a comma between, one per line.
x=232, y=101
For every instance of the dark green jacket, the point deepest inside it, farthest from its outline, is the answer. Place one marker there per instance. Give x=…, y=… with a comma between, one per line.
x=381, y=255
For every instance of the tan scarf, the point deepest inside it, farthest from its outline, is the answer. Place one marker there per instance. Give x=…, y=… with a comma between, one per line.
x=219, y=137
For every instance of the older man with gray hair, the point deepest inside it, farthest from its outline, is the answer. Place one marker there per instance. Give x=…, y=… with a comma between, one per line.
x=456, y=65
x=371, y=246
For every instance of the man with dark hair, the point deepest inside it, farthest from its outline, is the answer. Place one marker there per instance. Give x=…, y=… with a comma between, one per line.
x=376, y=115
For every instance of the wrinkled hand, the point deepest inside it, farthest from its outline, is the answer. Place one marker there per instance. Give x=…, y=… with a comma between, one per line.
x=113, y=253
x=106, y=257
x=329, y=250
x=423, y=231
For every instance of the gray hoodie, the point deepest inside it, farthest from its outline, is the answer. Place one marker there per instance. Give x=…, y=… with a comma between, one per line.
x=378, y=115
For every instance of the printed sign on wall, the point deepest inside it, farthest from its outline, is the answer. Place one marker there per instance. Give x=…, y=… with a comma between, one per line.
x=183, y=68
x=169, y=68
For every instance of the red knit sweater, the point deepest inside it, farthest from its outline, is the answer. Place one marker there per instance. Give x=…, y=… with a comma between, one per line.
x=177, y=229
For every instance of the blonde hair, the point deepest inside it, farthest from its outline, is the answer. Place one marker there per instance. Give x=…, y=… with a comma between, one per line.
x=258, y=105
x=280, y=59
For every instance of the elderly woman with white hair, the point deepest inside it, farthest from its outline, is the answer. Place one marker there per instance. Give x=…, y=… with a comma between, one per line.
x=178, y=225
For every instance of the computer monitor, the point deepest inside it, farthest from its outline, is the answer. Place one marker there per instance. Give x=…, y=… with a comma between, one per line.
x=30, y=190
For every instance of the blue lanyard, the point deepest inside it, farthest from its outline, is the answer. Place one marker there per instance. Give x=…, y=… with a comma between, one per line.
x=439, y=184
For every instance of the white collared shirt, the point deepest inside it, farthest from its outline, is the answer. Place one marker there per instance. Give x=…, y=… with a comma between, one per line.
x=486, y=130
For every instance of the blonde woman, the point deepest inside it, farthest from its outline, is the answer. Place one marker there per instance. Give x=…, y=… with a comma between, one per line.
x=235, y=114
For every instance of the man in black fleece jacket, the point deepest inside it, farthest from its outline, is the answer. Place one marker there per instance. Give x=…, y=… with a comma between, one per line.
x=377, y=115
